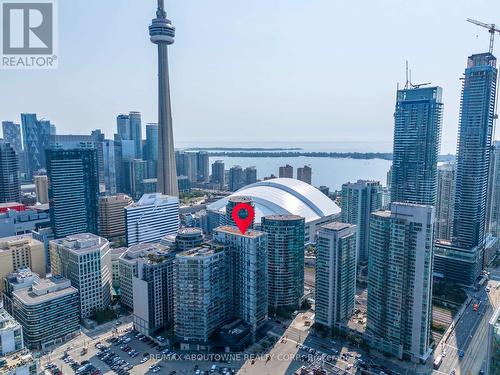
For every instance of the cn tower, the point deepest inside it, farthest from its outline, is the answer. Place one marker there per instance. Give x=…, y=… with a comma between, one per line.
x=162, y=33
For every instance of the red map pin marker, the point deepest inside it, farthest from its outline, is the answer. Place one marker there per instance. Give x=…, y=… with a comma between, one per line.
x=244, y=220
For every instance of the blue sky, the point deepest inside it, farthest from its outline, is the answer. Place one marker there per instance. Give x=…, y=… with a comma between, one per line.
x=259, y=70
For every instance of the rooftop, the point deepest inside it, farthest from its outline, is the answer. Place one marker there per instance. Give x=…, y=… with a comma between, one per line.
x=146, y=252
x=250, y=233
x=7, y=322
x=44, y=290
x=153, y=199
x=16, y=360
x=202, y=251
x=82, y=242
x=337, y=226
x=7, y=243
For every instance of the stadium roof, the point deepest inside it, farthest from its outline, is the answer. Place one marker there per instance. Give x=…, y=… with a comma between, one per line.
x=284, y=196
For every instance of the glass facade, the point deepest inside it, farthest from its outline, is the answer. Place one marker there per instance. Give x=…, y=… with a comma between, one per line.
x=74, y=191
x=285, y=253
x=417, y=134
x=400, y=280
x=359, y=200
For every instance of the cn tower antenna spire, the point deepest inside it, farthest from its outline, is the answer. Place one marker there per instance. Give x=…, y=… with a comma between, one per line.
x=160, y=12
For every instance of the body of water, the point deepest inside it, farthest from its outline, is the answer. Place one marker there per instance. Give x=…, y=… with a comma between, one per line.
x=325, y=171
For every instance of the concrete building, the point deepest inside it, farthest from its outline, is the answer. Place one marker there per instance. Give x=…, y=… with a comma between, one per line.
x=127, y=268
x=218, y=174
x=203, y=166
x=116, y=253
x=10, y=190
x=359, y=200
x=236, y=180
x=162, y=34
x=286, y=171
x=202, y=291
x=153, y=291
x=15, y=359
x=21, y=279
x=305, y=174
x=19, y=252
x=48, y=310
x=461, y=261
x=445, y=201
x=248, y=275
x=41, y=189
x=285, y=260
x=400, y=281
x=74, y=191
x=11, y=334
x=151, y=218
x=14, y=222
x=335, y=274
x=85, y=259
x=250, y=175
x=112, y=215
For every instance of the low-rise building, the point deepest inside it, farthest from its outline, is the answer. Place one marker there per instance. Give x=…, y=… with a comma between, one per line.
x=14, y=358
x=48, y=310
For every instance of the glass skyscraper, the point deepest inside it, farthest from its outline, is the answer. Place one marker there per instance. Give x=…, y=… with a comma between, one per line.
x=399, y=301
x=10, y=190
x=36, y=139
x=417, y=134
x=335, y=274
x=285, y=260
x=136, y=132
x=74, y=191
x=461, y=259
x=12, y=134
x=359, y=200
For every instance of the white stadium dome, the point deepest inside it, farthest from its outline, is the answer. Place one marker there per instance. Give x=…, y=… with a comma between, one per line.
x=286, y=196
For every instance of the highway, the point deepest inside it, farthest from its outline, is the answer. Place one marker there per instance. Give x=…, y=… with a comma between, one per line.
x=469, y=336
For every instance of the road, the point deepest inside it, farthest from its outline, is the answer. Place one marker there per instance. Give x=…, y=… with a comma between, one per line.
x=470, y=336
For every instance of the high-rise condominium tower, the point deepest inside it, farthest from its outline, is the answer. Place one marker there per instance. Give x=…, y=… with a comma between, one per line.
x=400, y=280
x=74, y=191
x=10, y=189
x=335, y=274
x=162, y=33
x=285, y=262
x=359, y=200
x=417, y=134
x=461, y=260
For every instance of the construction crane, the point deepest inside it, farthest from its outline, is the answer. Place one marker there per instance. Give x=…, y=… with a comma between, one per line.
x=491, y=29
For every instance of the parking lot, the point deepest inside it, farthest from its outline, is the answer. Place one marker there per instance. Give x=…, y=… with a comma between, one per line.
x=132, y=353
